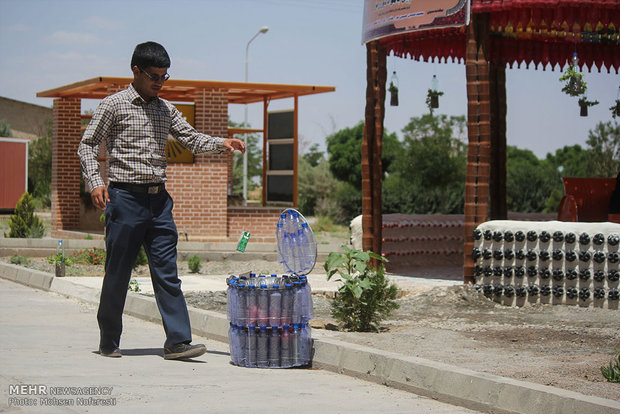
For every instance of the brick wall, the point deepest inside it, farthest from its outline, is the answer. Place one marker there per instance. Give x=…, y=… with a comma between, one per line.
x=66, y=164
x=200, y=189
x=259, y=221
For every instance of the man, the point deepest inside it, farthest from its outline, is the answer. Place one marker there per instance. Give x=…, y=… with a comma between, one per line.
x=134, y=125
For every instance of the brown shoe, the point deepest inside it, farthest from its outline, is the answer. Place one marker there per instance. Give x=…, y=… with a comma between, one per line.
x=182, y=351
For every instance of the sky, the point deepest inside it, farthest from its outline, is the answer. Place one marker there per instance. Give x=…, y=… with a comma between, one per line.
x=47, y=44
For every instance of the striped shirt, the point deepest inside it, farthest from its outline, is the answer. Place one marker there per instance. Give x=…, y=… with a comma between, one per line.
x=135, y=134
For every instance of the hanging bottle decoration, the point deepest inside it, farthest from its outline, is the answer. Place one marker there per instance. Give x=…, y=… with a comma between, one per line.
x=393, y=89
x=432, y=97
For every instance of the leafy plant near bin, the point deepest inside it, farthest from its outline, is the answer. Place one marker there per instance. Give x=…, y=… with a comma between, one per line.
x=365, y=297
x=59, y=259
x=612, y=372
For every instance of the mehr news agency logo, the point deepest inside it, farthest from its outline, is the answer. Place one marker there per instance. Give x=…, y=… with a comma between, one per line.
x=29, y=395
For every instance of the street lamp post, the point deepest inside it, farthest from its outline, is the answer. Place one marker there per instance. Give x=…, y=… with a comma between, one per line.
x=263, y=29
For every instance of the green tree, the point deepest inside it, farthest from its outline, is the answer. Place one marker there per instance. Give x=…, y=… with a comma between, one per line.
x=571, y=161
x=428, y=175
x=529, y=181
x=313, y=156
x=345, y=153
x=5, y=129
x=255, y=163
x=40, y=167
x=24, y=223
x=316, y=186
x=604, y=143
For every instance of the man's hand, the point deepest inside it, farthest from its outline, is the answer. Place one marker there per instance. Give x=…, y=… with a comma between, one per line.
x=100, y=197
x=233, y=144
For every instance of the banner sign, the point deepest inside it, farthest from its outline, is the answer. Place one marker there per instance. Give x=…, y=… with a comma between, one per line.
x=389, y=17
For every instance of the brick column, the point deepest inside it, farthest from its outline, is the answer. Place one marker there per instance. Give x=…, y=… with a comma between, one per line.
x=66, y=165
x=200, y=190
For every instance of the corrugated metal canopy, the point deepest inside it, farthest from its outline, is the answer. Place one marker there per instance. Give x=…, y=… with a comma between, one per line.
x=186, y=90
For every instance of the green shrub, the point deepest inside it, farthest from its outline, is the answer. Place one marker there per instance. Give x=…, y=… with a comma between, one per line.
x=20, y=260
x=141, y=258
x=24, y=223
x=365, y=297
x=194, y=264
x=612, y=372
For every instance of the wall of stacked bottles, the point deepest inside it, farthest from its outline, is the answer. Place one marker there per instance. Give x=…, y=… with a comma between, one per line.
x=422, y=240
x=269, y=321
x=548, y=262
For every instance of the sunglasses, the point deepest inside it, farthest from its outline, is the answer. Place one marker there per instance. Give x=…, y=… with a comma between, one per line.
x=155, y=78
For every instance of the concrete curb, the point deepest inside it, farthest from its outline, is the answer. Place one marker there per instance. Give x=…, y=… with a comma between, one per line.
x=440, y=381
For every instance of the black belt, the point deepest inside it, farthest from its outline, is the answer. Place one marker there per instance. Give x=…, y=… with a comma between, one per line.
x=139, y=188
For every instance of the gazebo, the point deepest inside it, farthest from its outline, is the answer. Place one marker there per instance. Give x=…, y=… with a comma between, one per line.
x=201, y=185
x=538, y=33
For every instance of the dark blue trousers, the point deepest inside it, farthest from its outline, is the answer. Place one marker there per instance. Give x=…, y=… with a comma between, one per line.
x=132, y=220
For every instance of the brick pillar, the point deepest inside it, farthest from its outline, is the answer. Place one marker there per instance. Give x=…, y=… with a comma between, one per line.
x=200, y=190
x=66, y=165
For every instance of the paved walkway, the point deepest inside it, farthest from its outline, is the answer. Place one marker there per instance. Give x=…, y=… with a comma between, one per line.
x=49, y=340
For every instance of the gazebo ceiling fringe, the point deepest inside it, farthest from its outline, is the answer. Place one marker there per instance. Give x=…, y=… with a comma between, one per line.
x=542, y=33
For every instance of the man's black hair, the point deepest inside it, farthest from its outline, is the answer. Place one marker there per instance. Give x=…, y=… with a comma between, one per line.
x=150, y=54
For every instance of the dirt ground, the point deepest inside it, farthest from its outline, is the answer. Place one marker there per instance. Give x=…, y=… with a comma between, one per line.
x=560, y=346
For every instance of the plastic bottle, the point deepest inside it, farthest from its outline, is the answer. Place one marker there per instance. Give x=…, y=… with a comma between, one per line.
x=306, y=344
x=311, y=246
x=295, y=265
x=285, y=347
x=242, y=343
x=262, y=314
x=280, y=233
x=231, y=342
x=308, y=306
x=252, y=344
x=274, y=347
x=252, y=304
x=287, y=304
x=262, y=350
x=295, y=337
x=298, y=300
x=229, y=300
x=285, y=251
x=242, y=312
x=275, y=305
